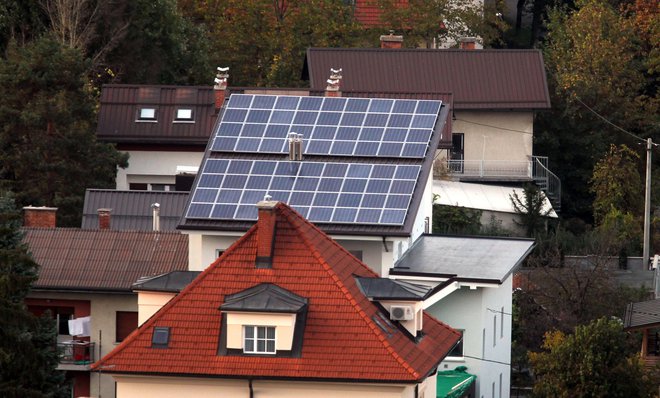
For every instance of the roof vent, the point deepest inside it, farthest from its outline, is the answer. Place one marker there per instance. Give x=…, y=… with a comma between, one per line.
x=402, y=313
x=295, y=146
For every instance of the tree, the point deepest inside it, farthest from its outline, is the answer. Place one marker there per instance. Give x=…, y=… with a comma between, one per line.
x=595, y=361
x=530, y=209
x=28, y=355
x=49, y=150
x=442, y=21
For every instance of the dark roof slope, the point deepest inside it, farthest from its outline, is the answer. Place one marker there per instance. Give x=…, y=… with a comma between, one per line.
x=341, y=340
x=642, y=314
x=172, y=282
x=104, y=260
x=478, y=79
x=120, y=104
x=131, y=210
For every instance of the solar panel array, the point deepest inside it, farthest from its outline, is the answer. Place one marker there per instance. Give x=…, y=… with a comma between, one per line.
x=321, y=191
x=329, y=125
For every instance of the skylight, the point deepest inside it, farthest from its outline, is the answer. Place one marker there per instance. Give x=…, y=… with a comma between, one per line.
x=147, y=114
x=184, y=114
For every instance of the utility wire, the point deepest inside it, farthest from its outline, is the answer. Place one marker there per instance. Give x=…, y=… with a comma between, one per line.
x=487, y=360
x=643, y=140
x=495, y=127
x=498, y=311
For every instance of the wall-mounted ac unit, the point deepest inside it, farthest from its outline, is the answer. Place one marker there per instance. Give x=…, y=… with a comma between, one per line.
x=402, y=313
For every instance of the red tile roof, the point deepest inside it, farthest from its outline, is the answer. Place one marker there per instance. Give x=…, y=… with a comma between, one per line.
x=368, y=12
x=341, y=341
x=104, y=260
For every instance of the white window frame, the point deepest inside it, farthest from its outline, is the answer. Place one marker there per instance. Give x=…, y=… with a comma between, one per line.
x=184, y=115
x=255, y=339
x=147, y=114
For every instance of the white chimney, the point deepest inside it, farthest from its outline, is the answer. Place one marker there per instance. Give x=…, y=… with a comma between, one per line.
x=155, y=207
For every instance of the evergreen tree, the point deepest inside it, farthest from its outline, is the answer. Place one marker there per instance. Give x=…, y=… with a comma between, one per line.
x=28, y=355
x=48, y=149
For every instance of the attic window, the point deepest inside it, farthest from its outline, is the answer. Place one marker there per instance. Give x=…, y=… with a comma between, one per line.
x=147, y=114
x=184, y=115
x=258, y=339
x=160, y=337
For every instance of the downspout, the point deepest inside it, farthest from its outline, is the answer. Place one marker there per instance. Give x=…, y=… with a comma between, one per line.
x=416, y=390
x=251, y=391
x=385, y=244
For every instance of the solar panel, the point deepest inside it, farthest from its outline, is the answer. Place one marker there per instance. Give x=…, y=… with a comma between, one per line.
x=329, y=125
x=228, y=189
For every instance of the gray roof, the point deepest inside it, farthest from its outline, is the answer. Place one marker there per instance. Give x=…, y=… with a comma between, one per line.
x=484, y=259
x=642, y=314
x=265, y=297
x=389, y=289
x=173, y=281
x=131, y=210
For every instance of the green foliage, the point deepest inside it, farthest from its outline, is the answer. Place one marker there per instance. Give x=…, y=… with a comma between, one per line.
x=456, y=220
x=439, y=21
x=530, y=209
x=28, y=358
x=595, y=361
x=49, y=150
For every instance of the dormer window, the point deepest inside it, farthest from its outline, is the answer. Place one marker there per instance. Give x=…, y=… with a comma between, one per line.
x=258, y=339
x=160, y=337
x=184, y=115
x=147, y=114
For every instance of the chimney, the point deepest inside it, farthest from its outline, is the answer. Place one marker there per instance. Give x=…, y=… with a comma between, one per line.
x=332, y=90
x=266, y=232
x=104, y=218
x=220, y=87
x=468, y=43
x=391, y=40
x=39, y=217
x=155, y=208
x=295, y=146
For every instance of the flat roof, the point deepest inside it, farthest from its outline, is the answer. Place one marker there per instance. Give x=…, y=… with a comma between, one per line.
x=485, y=259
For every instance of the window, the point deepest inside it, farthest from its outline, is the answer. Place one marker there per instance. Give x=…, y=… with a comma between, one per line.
x=147, y=114
x=259, y=339
x=125, y=323
x=160, y=337
x=456, y=155
x=184, y=114
x=218, y=252
x=457, y=351
x=137, y=186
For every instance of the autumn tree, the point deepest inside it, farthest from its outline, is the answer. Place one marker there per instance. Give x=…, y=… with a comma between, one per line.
x=531, y=209
x=596, y=360
x=28, y=355
x=49, y=150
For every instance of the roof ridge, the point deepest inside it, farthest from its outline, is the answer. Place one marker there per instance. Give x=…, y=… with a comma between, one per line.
x=152, y=319
x=290, y=214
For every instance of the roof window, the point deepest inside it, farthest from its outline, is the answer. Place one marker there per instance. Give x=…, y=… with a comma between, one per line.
x=147, y=114
x=160, y=337
x=184, y=114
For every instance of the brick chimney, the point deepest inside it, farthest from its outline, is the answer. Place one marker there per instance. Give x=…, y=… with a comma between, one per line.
x=266, y=232
x=220, y=88
x=332, y=90
x=104, y=218
x=468, y=43
x=391, y=40
x=39, y=217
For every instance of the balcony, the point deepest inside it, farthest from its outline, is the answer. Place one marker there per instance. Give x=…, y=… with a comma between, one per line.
x=76, y=355
x=535, y=170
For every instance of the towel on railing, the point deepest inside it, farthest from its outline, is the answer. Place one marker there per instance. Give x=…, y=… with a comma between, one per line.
x=79, y=326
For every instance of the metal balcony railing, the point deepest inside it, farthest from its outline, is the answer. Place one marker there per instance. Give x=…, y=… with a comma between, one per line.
x=76, y=352
x=509, y=170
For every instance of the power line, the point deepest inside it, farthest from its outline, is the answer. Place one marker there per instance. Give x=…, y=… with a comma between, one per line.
x=498, y=311
x=495, y=127
x=612, y=124
x=487, y=360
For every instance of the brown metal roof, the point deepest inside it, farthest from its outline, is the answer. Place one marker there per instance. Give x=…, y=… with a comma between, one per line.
x=103, y=260
x=131, y=210
x=478, y=79
x=642, y=314
x=120, y=104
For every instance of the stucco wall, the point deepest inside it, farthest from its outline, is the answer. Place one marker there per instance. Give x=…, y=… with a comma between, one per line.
x=150, y=302
x=162, y=387
x=156, y=167
x=495, y=135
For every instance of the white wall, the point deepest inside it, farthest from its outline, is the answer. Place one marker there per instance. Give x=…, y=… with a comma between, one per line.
x=164, y=387
x=156, y=167
x=508, y=135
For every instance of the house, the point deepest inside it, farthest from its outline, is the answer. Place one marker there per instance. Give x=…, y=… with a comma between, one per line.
x=85, y=282
x=471, y=278
x=645, y=317
x=495, y=95
x=359, y=168
x=283, y=312
x=493, y=201
x=164, y=129
x=134, y=210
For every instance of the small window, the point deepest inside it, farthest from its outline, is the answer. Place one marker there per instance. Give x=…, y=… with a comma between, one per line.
x=259, y=339
x=184, y=114
x=218, y=252
x=133, y=186
x=160, y=337
x=457, y=351
x=147, y=114
x=126, y=322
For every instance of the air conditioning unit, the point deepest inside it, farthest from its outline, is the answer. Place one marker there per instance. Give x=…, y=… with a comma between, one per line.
x=402, y=313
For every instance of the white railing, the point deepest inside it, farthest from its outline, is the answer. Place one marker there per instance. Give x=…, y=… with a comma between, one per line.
x=490, y=168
